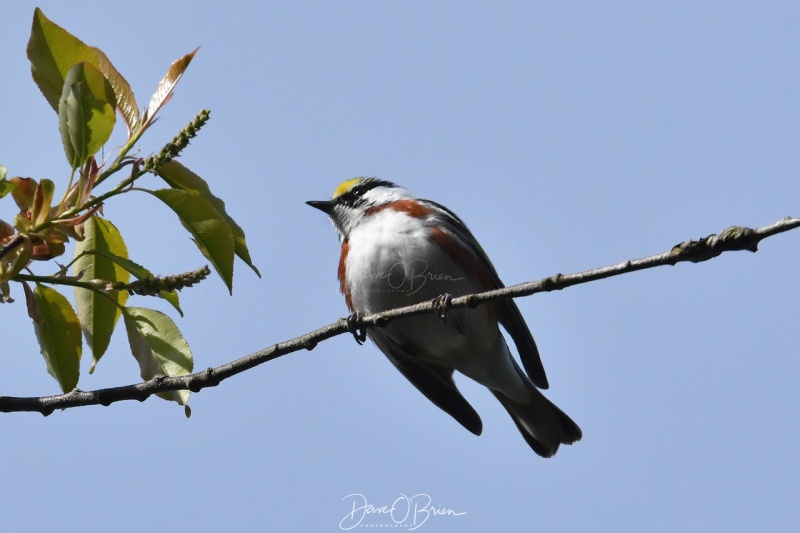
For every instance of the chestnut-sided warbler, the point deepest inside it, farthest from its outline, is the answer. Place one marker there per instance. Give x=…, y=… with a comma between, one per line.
x=398, y=250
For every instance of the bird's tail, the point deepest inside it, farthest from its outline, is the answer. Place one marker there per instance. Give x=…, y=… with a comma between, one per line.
x=543, y=425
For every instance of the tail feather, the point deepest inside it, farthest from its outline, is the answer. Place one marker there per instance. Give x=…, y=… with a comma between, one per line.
x=543, y=425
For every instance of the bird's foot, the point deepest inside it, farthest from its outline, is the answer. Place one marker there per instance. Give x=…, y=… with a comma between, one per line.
x=442, y=304
x=355, y=327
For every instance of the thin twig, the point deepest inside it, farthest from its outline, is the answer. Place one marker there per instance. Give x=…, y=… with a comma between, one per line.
x=731, y=239
x=11, y=245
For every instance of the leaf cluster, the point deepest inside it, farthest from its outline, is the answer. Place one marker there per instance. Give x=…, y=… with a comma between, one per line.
x=86, y=91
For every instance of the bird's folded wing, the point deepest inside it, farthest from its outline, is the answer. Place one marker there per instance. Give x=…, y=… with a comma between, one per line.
x=511, y=319
x=455, y=241
x=435, y=382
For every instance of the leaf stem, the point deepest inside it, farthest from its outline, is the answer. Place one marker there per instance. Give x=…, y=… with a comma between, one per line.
x=118, y=162
x=94, y=285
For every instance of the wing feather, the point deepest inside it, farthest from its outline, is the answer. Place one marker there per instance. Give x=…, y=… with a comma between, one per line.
x=509, y=314
x=435, y=382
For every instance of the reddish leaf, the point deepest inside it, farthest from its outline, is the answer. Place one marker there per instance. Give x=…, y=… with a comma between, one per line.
x=165, y=87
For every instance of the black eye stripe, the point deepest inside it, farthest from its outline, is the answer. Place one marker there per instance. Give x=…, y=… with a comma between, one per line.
x=353, y=197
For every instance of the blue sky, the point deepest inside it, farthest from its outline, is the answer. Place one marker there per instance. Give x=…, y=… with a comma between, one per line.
x=568, y=136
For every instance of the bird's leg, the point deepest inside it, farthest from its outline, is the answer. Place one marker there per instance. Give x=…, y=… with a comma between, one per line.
x=442, y=303
x=355, y=327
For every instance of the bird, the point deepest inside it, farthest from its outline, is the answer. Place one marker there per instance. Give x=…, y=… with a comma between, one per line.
x=398, y=250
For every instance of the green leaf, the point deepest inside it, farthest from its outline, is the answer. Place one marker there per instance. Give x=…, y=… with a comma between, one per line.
x=23, y=257
x=141, y=273
x=86, y=115
x=99, y=313
x=42, y=201
x=52, y=51
x=208, y=228
x=5, y=185
x=126, y=102
x=59, y=333
x=159, y=347
x=165, y=87
x=178, y=176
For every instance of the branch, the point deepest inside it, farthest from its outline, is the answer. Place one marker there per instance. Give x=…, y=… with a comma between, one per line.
x=731, y=239
x=147, y=286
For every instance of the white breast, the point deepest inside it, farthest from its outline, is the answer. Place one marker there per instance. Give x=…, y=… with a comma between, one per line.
x=393, y=263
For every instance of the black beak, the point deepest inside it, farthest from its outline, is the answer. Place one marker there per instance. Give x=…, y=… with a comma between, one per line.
x=326, y=206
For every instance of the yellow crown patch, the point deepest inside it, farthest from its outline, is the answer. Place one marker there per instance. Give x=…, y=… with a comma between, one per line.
x=345, y=186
